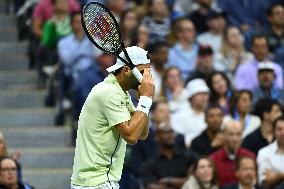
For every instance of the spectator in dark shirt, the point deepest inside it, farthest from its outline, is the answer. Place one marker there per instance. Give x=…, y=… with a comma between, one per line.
x=204, y=64
x=266, y=77
x=8, y=175
x=169, y=168
x=267, y=110
x=246, y=173
x=225, y=157
x=199, y=16
x=275, y=33
x=212, y=138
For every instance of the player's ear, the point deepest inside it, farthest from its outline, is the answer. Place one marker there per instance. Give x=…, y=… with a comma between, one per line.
x=126, y=69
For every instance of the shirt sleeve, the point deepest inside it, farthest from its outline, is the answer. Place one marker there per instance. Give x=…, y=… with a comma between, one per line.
x=116, y=110
x=263, y=165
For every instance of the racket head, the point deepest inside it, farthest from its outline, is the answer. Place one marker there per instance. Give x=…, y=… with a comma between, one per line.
x=101, y=28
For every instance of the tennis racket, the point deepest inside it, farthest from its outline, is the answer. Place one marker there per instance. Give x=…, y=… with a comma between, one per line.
x=103, y=31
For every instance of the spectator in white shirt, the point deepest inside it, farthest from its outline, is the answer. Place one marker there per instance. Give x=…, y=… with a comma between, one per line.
x=188, y=118
x=270, y=159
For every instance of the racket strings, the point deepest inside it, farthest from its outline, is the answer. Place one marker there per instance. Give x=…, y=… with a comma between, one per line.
x=101, y=27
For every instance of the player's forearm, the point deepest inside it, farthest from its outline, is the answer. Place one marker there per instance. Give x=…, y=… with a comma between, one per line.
x=136, y=126
x=145, y=132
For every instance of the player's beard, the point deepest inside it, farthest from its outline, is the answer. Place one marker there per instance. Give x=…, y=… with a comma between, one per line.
x=134, y=82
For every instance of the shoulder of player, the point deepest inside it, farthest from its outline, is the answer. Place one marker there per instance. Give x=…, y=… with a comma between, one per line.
x=106, y=91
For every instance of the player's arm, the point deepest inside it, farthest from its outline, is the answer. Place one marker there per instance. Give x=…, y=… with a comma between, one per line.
x=137, y=127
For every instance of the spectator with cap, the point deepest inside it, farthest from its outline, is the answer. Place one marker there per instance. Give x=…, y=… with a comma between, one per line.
x=203, y=65
x=211, y=139
x=225, y=158
x=246, y=173
x=183, y=53
x=240, y=109
x=267, y=110
x=216, y=23
x=246, y=74
x=188, y=118
x=275, y=32
x=266, y=77
x=270, y=159
x=170, y=167
x=232, y=52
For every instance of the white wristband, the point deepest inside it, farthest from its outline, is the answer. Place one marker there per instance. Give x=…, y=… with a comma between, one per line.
x=144, y=104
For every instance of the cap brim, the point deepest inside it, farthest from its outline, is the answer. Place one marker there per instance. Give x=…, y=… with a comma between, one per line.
x=113, y=68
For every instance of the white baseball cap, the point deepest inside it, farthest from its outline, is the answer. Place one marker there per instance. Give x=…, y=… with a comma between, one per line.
x=196, y=86
x=136, y=54
x=265, y=66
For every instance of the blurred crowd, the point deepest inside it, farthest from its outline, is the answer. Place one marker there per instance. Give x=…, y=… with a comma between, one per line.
x=217, y=118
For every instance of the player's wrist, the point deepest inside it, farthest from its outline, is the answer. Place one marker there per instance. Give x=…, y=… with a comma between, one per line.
x=144, y=104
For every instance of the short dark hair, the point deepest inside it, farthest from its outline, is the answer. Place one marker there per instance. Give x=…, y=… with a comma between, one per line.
x=280, y=118
x=73, y=14
x=258, y=36
x=264, y=105
x=211, y=107
x=271, y=7
x=156, y=103
x=241, y=158
x=155, y=47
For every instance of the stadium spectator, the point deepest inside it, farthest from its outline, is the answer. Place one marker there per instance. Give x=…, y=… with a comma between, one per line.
x=246, y=173
x=220, y=88
x=188, y=118
x=246, y=74
x=157, y=22
x=128, y=26
x=266, y=77
x=232, y=52
x=44, y=10
x=172, y=86
x=204, y=64
x=8, y=175
x=200, y=16
x=170, y=167
x=212, y=138
x=145, y=150
x=240, y=108
x=204, y=175
x=270, y=159
x=141, y=39
x=225, y=157
x=183, y=53
x=159, y=57
x=275, y=33
x=216, y=23
x=267, y=110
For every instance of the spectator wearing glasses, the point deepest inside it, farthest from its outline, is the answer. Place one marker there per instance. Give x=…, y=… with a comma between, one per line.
x=8, y=175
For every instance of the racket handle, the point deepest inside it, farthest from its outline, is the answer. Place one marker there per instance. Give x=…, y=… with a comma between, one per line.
x=137, y=74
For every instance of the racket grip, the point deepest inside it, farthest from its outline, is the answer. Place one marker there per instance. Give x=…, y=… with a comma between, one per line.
x=137, y=74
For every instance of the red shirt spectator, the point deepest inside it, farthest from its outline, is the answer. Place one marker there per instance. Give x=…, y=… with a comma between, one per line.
x=226, y=167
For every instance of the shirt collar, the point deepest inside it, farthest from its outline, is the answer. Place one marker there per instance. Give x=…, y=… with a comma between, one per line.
x=112, y=79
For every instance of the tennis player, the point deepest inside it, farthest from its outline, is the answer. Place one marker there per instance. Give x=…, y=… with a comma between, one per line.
x=109, y=120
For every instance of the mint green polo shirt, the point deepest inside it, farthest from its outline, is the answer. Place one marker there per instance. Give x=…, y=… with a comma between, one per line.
x=100, y=150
